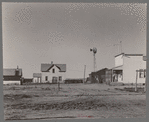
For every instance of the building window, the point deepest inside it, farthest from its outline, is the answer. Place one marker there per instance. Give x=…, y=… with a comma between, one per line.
x=53, y=70
x=141, y=74
x=46, y=78
x=144, y=73
x=60, y=78
x=17, y=73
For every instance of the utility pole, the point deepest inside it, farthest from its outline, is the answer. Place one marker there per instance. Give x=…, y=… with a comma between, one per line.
x=84, y=73
x=94, y=61
x=118, y=47
x=121, y=45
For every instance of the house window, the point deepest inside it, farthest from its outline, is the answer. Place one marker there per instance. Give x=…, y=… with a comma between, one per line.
x=53, y=70
x=46, y=78
x=60, y=78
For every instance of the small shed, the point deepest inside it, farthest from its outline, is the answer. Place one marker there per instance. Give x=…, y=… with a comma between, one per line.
x=37, y=77
x=98, y=76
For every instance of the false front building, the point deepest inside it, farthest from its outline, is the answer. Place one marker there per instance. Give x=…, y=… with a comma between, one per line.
x=126, y=67
x=53, y=73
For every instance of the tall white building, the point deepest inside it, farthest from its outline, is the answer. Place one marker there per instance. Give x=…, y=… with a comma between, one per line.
x=126, y=66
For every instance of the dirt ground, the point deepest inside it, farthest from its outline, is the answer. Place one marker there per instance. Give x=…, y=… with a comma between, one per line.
x=45, y=101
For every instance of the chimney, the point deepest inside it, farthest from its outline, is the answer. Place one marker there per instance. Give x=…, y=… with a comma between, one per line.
x=17, y=71
x=51, y=62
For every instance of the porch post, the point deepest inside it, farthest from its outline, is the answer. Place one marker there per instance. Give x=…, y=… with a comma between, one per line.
x=112, y=75
x=136, y=80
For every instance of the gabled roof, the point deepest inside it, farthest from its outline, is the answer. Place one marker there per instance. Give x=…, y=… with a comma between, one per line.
x=46, y=67
x=99, y=71
x=102, y=69
x=11, y=72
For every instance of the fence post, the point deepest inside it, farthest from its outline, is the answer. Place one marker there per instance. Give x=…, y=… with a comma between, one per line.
x=58, y=84
x=145, y=81
x=136, y=80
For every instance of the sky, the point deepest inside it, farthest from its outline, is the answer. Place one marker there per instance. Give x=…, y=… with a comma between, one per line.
x=35, y=33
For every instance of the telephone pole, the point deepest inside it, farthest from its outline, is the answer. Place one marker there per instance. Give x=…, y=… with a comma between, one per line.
x=84, y=73
x=121, y=45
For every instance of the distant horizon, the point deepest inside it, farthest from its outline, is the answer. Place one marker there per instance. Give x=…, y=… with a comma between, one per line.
x=36, y=33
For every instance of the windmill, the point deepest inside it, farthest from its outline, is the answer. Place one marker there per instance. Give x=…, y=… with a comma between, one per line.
x=94, y=60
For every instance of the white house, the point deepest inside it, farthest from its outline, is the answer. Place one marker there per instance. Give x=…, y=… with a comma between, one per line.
x=53, y=73
x=126, y=66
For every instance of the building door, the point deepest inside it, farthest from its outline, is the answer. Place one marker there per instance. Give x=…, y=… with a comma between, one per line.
x=60, y=78
x=54, y=79
x=108, y=76
x=46, y=78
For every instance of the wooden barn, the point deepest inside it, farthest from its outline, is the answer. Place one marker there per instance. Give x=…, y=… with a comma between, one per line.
x=98, y=76
x=12, y=76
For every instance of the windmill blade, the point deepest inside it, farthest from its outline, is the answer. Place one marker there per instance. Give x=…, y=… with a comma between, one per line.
x=95, y=50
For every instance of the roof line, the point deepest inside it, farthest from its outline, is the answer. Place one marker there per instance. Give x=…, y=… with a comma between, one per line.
x=117, y=66
x=50, y=67
x=133, y=54
x=119, y=54
x=129, y=54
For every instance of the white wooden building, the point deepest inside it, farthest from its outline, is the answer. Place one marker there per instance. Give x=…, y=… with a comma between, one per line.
x=126, y=66
x=53, y=73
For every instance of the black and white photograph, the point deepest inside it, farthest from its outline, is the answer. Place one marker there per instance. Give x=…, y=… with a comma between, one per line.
x=74, y=60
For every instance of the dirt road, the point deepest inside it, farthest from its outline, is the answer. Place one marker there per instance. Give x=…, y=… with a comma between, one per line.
x=72, y=101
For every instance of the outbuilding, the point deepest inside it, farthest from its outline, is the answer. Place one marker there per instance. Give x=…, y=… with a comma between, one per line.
x=37, y=77
x=98, y=76
x=12, y=76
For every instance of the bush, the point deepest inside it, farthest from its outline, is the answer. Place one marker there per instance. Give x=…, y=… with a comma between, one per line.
x=88, y=82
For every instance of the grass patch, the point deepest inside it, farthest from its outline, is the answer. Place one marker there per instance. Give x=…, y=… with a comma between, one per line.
x=131, y=89
x=18, y=96
x=81, y=104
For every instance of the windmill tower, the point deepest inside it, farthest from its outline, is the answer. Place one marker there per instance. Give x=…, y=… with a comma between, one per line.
x=94, y=60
